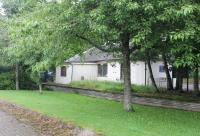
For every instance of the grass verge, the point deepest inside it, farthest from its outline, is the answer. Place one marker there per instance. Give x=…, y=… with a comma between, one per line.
x=107, y=86
x=106, y=116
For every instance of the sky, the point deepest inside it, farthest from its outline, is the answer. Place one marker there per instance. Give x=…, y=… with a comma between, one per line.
x=2, y=12
x=1, y=9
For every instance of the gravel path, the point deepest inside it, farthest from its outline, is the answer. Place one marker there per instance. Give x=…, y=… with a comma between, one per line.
x=9, y=126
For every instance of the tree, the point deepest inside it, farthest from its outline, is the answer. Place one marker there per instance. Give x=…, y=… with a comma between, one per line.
x=17, y=76
x=186, y=40
x=178, y=22
x=147, y=55
x=113, y=26
x=49, y=32
x=34, y=34
x=11, y=8
x=151, y=72
x=196, y=79
x=169, y=79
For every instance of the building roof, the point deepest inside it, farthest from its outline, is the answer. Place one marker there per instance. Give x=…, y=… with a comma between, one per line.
x=91, y=56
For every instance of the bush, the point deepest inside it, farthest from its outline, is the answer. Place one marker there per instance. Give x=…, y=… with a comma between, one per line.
x=26, y=80
x=7, y=81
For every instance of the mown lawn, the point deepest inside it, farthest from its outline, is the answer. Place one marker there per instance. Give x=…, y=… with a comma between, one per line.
x=108, y=117
x=108, y=86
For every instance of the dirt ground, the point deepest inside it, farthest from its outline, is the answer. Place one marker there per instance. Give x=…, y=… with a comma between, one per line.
x=46, y=126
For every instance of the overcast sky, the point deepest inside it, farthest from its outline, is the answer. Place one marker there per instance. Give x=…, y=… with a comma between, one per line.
x=2, y=12
x=1, y=9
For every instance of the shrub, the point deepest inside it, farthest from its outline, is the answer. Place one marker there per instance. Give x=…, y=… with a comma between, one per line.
x=7, y=81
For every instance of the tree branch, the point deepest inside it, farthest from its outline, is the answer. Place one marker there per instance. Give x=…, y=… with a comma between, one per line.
x=97, y=46
x=134, y=48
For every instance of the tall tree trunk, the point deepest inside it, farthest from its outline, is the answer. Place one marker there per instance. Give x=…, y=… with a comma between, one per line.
x=151, y=73
x=40, y=88
x=40, y=82
x=127, y=73
x=177, y=79
x=17, y=76
x=180, y=81
x=196, y=79
x=169, y=79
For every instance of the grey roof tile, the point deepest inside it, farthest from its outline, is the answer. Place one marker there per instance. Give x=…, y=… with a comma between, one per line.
x=92, y=55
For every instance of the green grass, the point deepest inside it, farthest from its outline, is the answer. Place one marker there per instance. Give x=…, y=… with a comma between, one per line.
x=108, y=117
x=106, y=86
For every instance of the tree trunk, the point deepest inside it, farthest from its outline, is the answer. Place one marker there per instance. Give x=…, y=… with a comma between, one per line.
x=40, y=82
x=169, y=80
x=196, y=79
x=177, y=79
x=40, y=88
x=180, y=82
x=17, y=76
x=151, y=73
x=127, y=73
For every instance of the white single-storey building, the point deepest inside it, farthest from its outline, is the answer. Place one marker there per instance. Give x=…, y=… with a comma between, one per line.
x=98, y=65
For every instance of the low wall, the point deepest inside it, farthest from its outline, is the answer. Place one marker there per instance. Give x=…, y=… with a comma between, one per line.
x=119, y=97
x=135, y=98
x=86, y=92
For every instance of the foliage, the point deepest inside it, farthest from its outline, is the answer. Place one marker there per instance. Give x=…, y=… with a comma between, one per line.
x=182, y=20
x=106, y=116
x=36, y=38
x=48, y=32
x=7, y=81
x=45, y=28
x=113, y=26
x=27, y=82
x=36, y=34
x=7, y=78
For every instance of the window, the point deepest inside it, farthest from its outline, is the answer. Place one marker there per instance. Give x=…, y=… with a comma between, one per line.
x=63, y=71
x=102, y=70
x=161, y=69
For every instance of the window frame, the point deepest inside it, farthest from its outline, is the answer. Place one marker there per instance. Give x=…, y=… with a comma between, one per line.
x=161, y=68
x=63, y=71
x=102, y=70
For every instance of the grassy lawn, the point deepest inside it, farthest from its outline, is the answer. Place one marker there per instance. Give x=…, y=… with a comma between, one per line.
x=146, y=91
x=108, y=117
x=106, y=86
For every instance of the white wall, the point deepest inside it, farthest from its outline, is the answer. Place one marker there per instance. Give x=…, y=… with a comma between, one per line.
x=160, y=77
x=63, y=80
x=74, y=73
x=155, y=67
x=113, y=72
x=87, y=71
x=90, y=72
x=138, y=73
